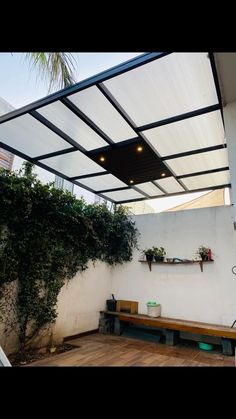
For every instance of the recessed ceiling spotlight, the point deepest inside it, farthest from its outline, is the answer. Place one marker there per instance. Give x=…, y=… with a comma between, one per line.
x=131, y=181
x=102, y=158
x=139, y=148
x=163, y=174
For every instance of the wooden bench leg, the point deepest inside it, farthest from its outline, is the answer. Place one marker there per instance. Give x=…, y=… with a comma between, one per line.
x=172, y=337
x=227, y=347
x=117, y=326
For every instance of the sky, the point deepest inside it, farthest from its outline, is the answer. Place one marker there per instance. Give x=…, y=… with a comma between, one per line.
x=21, y=85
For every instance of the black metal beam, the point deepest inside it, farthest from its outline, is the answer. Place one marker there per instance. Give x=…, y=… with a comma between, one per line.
x=49, y=169
x=91, y=81
x=114, y=190
x=177, y=118
x=55, y=153
x=129, y=201
x=177, y=180
x=205, y=172
x=217, y=85
x=44, y=166
x=129, y=121
x=228, y=185
x=198, y=151
x=136, y=188
x=57, y=131
x=159, y=187
x=108, y=95
x=25, y=157
x=17, y=153
x=73, y=108
x=89, y=175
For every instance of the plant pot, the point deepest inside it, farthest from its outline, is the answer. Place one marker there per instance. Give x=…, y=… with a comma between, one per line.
x=204, y=257
x=111, y=305
x=149, y=258
x=159, y=258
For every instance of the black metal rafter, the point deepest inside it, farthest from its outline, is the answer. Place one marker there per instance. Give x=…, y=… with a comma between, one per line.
x=49, y=169
x=136, y=188
x=123, y=188
x=73, y=108
x=198, y=151
x=55, y=172
x=55, y=153
x=160, y=187
x=217, y=85
x=58, y=131
x=228, y=185
x=89, y=175
x=98, y=80
x=204, y=172
x=129, y=121
x=38, y=163
x=180, y=117
x=91, y=81
x=108, y=95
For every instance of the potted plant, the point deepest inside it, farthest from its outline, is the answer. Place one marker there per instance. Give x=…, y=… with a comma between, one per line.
x=159, y=253
x=149, y=254
x=203, y=252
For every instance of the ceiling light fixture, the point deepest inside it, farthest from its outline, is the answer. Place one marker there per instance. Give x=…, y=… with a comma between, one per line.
x=102, y=158
x=163, y=174
x=139, y=148
x=131, y=181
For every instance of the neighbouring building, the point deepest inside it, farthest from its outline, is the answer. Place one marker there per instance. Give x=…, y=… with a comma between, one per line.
x=61, y=183
x=6, y=158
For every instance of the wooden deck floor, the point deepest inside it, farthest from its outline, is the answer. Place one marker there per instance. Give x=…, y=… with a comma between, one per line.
x=109, y=350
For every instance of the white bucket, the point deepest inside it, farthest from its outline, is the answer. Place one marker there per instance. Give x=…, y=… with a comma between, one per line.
x=154, y=311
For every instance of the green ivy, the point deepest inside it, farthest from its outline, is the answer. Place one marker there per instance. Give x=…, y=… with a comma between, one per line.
x=46, y=236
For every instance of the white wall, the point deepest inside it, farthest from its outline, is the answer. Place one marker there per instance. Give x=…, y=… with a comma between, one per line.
x=230, y=133
x=81, y=300
x=183, y=290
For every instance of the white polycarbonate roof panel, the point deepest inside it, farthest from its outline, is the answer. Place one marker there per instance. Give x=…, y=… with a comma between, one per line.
x=199, y=162
x=73, y=164
x=102, y=182
x=149, y=188
x=95, y=105
x=169, y=86
x=189, y=134
x=72, y=125
x=127, y=194
x=170, y=185
x=30, y=137
x=205, y=181
x=166, y=87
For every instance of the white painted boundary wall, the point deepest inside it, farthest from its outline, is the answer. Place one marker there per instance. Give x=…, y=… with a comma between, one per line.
x=182, y=290
x=81, y=300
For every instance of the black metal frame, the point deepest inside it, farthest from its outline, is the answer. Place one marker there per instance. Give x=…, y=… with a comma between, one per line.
x=228, y=185
x=97, y=81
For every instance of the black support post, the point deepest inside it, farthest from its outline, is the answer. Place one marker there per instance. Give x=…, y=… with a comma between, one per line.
x=227, y=347
x=172, y=337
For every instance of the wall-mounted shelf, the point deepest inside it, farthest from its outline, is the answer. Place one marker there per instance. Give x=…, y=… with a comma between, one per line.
x=200, y=262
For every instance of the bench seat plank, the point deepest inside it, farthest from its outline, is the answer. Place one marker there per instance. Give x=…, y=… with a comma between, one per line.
x=177, y=324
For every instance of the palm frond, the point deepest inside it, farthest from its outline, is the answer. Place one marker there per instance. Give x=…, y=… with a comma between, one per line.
x=58, y=67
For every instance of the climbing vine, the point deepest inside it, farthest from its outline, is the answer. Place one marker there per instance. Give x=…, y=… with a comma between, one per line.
x=46, y=236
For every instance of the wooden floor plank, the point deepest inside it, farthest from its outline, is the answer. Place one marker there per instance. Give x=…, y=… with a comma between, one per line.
x=109, y=350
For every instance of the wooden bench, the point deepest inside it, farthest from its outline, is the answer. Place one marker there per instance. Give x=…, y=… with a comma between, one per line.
x=173, y=327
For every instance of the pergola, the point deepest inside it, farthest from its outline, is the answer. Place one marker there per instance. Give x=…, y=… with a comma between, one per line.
x=147, y=128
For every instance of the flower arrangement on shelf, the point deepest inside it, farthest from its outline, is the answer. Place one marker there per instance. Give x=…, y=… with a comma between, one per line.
x=205, y=253
x=157, y=253
x=149, y=254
